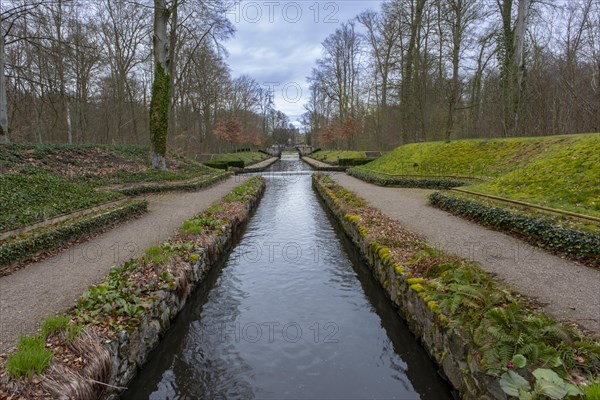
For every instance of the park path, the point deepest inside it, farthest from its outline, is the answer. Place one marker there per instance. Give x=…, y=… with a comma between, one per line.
x=566, y=290
x=54, y=284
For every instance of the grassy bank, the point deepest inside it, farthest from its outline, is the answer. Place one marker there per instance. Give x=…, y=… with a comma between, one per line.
x=39, y=182
x=567, y=177
x=555, y=171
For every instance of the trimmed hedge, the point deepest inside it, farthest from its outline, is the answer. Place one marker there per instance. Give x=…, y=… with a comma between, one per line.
x=424, y=183
x=225, y=164
x=55, y=237
x=581, y=246
x=185, y=186
x=350, y=162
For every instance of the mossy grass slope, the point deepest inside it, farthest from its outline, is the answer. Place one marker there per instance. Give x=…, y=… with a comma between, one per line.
x=554, y=171
x=567, y=178
x=471, y=157
x=28, y=198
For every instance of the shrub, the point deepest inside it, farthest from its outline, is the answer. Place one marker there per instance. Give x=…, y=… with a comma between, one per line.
x=236, y=164
x=216, y=164
x=544, y=232
x=225, y=164
x=349, y=162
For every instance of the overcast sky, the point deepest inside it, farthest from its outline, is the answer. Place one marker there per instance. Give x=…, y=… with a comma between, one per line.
x=277, y=43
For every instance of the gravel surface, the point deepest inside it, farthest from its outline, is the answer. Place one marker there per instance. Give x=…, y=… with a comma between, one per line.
x=566, y=290
x=54, y=284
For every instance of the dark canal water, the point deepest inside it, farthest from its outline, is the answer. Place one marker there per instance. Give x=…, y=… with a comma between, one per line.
x=292, y=314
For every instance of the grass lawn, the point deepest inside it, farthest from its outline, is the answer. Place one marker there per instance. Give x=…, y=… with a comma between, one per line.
x=332, y=156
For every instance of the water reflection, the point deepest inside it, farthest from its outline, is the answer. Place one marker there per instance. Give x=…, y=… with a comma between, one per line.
x=292, y=314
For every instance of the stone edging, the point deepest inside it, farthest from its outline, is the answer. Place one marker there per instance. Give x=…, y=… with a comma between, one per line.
x=448, y=347
x=131, y=350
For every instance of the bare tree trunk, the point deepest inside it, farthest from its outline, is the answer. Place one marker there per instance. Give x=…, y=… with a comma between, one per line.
x=518, y=62
x=456, y=28
x=61, y=70
x=68, y=120
x=173, y=66
x=407, y=87
x=161, y=93
x=3, y=106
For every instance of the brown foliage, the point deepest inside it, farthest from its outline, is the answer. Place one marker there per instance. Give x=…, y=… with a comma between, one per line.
x=228, y=130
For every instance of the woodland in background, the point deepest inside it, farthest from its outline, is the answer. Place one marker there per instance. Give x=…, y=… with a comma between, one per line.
x=420, y=70
x=81, y=71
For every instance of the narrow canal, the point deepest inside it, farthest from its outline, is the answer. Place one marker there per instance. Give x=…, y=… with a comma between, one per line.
x=293, y=313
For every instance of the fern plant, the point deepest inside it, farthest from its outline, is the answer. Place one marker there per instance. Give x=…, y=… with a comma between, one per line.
x=506, y=331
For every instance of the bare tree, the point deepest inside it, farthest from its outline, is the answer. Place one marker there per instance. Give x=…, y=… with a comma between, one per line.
x=460, y=15
x=3, y=104
x=161, y=92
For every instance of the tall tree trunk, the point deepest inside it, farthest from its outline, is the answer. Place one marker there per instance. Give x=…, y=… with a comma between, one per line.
x=173, y=66
x=518, y=61
x=3, y=106
x=161, y=93
x=407, y=88
x=453, y=97
x=507, y=71
x=68, y=120
x=61, y=71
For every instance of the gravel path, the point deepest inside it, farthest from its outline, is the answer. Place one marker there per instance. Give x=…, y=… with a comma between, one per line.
x=55, y=284
x=566, y=290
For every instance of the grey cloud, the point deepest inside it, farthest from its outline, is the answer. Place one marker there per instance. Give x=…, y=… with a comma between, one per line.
x=283, y=51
